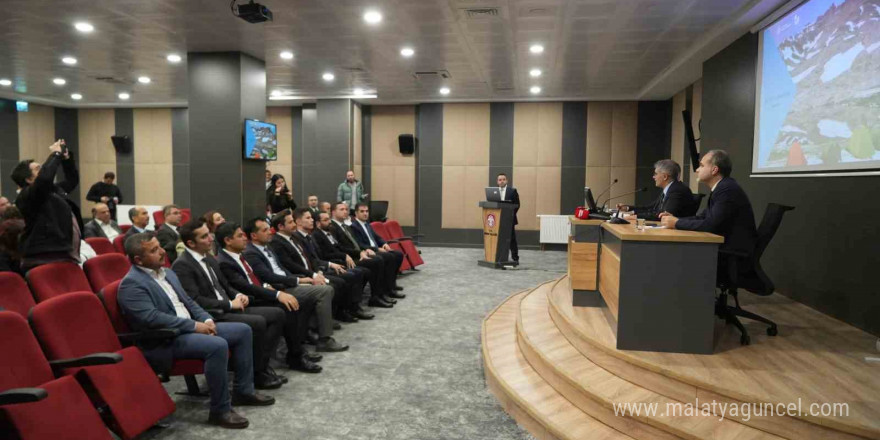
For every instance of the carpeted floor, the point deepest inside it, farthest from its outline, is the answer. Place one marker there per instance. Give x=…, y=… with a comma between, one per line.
x=414, y=372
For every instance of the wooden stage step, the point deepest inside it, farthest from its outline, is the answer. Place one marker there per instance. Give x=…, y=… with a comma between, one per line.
x=531, y=401
x=814, y=359
x=595, y=390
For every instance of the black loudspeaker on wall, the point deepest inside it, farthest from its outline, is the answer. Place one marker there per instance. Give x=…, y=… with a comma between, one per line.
x=407, y=143
x=122, y=144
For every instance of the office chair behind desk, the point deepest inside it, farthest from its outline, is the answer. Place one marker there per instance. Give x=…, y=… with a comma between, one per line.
x=745, y=271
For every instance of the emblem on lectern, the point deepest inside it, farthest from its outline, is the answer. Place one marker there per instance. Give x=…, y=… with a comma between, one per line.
x=490, y=220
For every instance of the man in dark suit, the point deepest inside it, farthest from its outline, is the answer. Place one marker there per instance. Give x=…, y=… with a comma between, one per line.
x=383, y=265
x=297, y=254
x=313, y=206
x=511, y=195
x=330, y=248
x=268, y=271
x=676, y=198
x=368, y=239
x=102, y=225
x=729, y=212
x=167, y=233
x=151, y=297
x=202, y=280
x=140, y=218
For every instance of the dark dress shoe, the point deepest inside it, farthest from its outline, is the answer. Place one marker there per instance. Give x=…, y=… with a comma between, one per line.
x=394, y=294
x=398, y=288
x=314, y=357
x=274, y=373
x=266, y=381
x=228, y=420
x=255, y=399
x=311, y=337
x=388, y=299
x=360, y=314
x=337, y=326
x=330, y=345
x=378, y=302
x=305, y=365
x=344, y=316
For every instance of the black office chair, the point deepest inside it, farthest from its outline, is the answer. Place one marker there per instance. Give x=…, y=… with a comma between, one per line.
x=745, y=271
x=378, y=210
x=698, y=200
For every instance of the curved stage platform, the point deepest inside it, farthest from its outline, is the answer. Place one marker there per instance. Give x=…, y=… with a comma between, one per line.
x=556, y=370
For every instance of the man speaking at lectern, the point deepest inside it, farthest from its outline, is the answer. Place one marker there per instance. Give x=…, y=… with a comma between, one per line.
x=509, y=194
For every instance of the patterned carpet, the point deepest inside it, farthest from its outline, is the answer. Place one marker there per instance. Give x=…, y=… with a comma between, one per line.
x=414, y=372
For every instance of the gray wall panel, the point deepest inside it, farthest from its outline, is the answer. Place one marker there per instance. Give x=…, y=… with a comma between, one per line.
x=309, y=147
x=8, y=146
x=180, y=155
x=500, y=141
x=253, y=106
x=429, y=125
x=331, y=151
x=295, y=181
x=574, y=156
x=652, y=144
x=366, y=148
x=124, y=120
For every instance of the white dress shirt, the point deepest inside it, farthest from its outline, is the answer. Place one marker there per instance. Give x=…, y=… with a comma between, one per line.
x=108, y=230
x=502, y=191
x=159, y=278
x=272, y=262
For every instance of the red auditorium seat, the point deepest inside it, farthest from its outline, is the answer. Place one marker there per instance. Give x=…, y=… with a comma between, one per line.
x=158, y=218
x=105, y=269
x=119, y=244
x=36, y=406
x=124, y=228
x=76, y=325
x=412, y=253
x=379, y=229
x=14, y=294
x=188, y=368
x=53, y=279
x=101, y=245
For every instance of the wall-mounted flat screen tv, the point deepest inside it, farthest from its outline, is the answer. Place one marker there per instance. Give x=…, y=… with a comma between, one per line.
x=260, y=140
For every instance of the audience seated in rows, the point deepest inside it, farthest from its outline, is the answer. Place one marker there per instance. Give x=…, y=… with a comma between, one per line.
x=140, y=219
x=102, y=224
x=167, y=234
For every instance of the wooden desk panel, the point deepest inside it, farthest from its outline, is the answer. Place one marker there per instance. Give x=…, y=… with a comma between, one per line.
x=582, y=264
x=629, y=233
x=609, y=279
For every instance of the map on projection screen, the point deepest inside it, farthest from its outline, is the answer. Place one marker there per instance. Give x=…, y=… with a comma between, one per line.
x=818, y=91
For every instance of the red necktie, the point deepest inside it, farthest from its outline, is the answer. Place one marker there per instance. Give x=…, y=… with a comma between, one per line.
x=254, y=280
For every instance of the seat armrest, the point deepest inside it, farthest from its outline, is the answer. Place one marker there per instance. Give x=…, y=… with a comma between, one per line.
x=148, y=335
x=392, y=241
x=22, y=395
x=87, y=361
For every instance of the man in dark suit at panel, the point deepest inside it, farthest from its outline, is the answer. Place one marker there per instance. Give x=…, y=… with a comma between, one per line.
x=729, y=212
x=242, y=276
x=202, y=280
x=268, y=269
x=151, y=297
x=102, y=225
x=167, y=233
x=368, y=239
x=511, y=195
x=297, y=256
x=676, y=198
x=333, y=249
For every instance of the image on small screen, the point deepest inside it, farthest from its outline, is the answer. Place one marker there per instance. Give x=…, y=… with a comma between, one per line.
x=260, y=140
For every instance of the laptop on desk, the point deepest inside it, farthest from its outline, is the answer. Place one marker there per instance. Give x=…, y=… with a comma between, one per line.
x=493, y=194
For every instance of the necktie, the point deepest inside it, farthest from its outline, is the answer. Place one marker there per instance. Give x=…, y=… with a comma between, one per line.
x=250, y=273
x=350, y=237
x=221, y=293
x=302, y=254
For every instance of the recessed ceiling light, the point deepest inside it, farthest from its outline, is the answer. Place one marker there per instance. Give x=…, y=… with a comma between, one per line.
x=76, y=96
x=536, y=49
x=372, y=17
x=534, y=73
x=407, y=52
x=69, y=60
x=5, y=82
x=328, y=76
x=144, y=79
x=84, y=27
x=535, y=90
x=287, y=55
x=276, y=93
x=444, y=91
x=124, y=96
x=59, y=81
x=174, y=58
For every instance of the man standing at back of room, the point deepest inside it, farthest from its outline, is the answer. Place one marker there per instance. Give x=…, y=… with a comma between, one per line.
x=351, y=191
x=509, y=194
x=106, y=192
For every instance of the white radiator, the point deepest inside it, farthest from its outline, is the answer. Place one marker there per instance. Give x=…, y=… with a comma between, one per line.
x=554, y=228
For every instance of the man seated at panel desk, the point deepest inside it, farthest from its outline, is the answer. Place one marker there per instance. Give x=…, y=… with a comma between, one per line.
x=676, y=198
x=729, y=212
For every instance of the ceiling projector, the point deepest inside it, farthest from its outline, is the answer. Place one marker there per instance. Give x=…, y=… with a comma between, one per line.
x=254, y=13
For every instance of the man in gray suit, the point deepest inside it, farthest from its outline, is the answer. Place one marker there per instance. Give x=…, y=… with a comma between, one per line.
x=151, y=297
x=101, y=225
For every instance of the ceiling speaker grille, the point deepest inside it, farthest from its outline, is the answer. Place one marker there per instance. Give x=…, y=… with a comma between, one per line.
x=477, y=13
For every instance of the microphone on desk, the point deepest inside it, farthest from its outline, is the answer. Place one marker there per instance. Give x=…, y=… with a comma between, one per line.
x=642, y=189
x=603, y=193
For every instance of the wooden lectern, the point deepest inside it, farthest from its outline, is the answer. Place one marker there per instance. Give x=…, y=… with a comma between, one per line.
x=497, y=228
